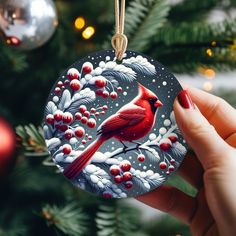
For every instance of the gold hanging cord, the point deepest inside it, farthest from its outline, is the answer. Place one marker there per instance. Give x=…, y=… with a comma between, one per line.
x=119, y=40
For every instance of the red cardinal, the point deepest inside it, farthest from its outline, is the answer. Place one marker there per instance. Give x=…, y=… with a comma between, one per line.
x=131, y=122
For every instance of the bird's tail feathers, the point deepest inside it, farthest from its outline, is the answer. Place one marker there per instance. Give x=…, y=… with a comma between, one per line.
x=80, y=162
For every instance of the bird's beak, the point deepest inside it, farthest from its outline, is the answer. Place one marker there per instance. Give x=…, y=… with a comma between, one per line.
x=158, y=103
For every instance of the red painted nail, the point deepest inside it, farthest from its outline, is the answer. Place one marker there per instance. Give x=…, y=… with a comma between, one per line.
x=185, y=100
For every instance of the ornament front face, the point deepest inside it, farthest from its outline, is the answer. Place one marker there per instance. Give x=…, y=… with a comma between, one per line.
x=110, y=128
x=27, y=24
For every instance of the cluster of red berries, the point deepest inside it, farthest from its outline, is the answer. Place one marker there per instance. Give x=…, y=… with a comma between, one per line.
x=105, y=94
x=65, y=117
x=166, y=144
x=84, y=116
x=121, y=174
x=168, y=167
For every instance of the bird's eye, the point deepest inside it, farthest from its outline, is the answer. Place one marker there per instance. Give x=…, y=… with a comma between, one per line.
x=153, y=99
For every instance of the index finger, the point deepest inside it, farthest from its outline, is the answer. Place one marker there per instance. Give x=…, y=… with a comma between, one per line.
x=216, y=110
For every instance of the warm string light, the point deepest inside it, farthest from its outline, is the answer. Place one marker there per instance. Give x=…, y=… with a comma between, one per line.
x=209, y=52
x=208, y=86
x=88, y=32
x=80, y=23
x=210, y=74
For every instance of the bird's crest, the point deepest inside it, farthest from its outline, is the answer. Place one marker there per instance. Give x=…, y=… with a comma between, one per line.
x=145, y=93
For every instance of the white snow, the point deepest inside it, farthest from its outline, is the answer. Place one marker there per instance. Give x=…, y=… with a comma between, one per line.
x=167, y=122
x=90, y=168
x=152, y=136
x=55, y=99
x=162, y=130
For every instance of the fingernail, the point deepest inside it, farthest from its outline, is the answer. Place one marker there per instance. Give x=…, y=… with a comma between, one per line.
x=185, y=100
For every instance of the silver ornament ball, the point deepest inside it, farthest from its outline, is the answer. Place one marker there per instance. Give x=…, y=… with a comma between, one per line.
x=27, y=24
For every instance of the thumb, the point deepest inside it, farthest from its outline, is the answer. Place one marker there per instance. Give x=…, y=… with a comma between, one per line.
x=209, y=147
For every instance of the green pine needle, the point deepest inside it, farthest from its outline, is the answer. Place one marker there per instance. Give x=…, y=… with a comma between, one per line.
x=117, y=220
x=69, y=219
x=143, y=20
x=32, y=140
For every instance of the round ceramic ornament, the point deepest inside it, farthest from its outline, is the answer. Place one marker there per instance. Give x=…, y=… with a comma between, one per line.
x=110, y=127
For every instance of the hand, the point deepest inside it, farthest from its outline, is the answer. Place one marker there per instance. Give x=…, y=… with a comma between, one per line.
x=208, y=124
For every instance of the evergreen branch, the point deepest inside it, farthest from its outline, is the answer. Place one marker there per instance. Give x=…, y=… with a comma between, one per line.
x=197, y=33
x=192, y=10
x=144, y=18
x=32, y=139
x=69, y=219
x=117, y=220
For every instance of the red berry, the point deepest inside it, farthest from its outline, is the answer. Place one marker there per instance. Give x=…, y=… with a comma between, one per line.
x=57, y=90
x=171, y=168
x=92, y=110
x=167, y=172
x=105, y=94
x=50, y=119
x=84, y=120
x=87, y=113
x=69, y=134
x=78, y=116
x=67, y=149
x=87, y=67
x=99, y=92
x=172, y=161
x=67, y=118
x=127, y=176
x=75, y=85
x=163, y=165
x=58, y=115
x=67, y=82
x=173, y=137
x=63, y=128
x=165, y=144
x=103, y=112
x=82, y=108
x=118, y=179
x=100, y=82
x=79, y=132
x=60, y=84
x=113, y=95
x=128, y=184
x=97, y=114
x=107, y=195
x=84, y=141
x=141, y=158
x=125, y=165
x=73, y=74
x=57, y=126
x=105, y=107
x=91, y=123
x=90, y=137
x=119, y=89
x=115, y=170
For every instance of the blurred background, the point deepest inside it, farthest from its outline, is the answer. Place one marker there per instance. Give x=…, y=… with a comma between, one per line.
x=195, y=39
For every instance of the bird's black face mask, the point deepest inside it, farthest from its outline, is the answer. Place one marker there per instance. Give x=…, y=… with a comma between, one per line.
x=152, y=102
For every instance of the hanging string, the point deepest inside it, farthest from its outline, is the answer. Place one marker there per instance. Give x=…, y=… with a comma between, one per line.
x=119, y=40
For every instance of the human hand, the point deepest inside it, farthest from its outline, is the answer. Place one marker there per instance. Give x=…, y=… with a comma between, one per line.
x=208, y=124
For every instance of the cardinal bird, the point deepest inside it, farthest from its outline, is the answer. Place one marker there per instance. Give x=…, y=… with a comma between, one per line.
x=132, y=122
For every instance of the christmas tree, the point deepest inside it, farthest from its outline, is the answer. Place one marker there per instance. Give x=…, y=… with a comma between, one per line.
x=35, y=199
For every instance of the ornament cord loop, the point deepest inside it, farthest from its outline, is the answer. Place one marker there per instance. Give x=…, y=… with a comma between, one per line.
x=119, y=40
